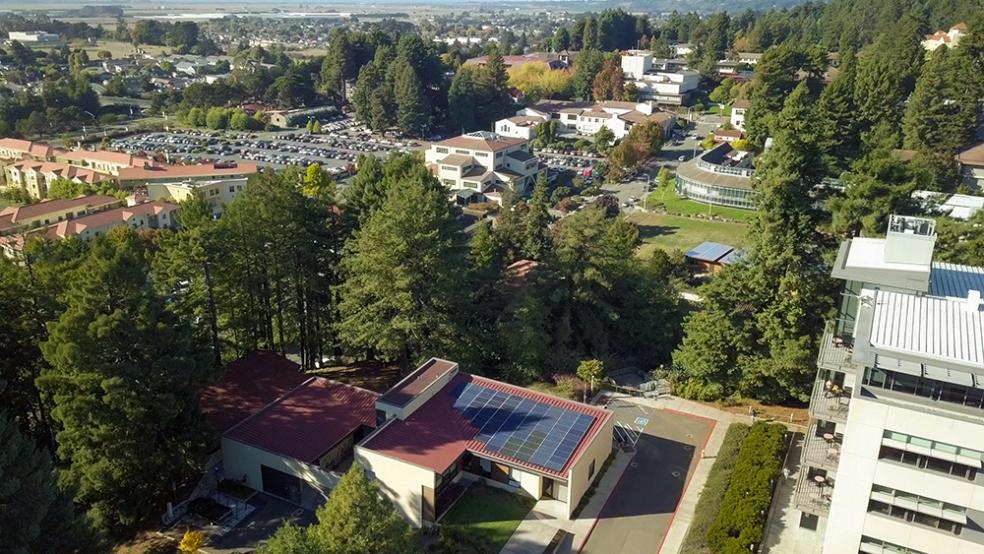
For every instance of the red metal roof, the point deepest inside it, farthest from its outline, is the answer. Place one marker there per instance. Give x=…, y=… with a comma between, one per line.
x=249, y=384
x=436, y=434
x=307, y=421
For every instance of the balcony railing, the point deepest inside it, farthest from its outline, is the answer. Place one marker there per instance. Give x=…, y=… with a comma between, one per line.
x=819, y=452
x=835, y=352
x=829, y=404
x=812, y=497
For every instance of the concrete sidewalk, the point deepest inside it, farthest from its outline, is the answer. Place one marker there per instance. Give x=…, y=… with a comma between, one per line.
x=544, y=520
x=548, y=516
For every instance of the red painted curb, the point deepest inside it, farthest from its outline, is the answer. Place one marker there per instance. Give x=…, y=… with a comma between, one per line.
x=682, y=493
x=689, y=477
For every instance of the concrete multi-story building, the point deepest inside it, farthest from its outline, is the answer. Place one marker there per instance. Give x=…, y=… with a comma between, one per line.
x=165, y=173
x=484, y=161
x=585, y=118
x=35, y=176
x=738, y=110
x=101, y=161
x=33, y=37
x=893, y=455
x=654, y=83
x=721, y=176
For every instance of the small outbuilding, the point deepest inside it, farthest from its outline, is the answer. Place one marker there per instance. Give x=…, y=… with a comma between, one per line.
x=712, y=257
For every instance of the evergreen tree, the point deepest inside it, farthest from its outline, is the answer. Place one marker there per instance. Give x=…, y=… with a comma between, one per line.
x=586, y=67
x=125, y=377
x=357, y=519
x=589, y=40
x=837, y=114
x=37, y=517
x=401, y=275
x=461, y=102
x=411, y=108
x=561, y=39
x=886, y=75
x=370, y=79
x=536, y=241
x=757, y=333
x=492, y=86
x=774, y=80
x=943, y=111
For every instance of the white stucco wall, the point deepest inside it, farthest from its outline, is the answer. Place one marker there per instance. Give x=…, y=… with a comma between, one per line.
x=598, y=451
x=242, y=460
x=866, y=424
x=401, y=482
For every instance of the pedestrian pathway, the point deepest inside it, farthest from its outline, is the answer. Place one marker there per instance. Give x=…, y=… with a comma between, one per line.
x=548, y=516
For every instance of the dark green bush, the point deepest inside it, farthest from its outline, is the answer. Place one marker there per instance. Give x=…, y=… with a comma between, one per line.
x=711, y=497
x=740, y=522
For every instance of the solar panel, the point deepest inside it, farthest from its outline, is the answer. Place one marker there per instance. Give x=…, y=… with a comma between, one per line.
x=522, y=428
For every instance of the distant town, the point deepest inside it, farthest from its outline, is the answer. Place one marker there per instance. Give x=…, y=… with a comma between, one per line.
x=521, y=279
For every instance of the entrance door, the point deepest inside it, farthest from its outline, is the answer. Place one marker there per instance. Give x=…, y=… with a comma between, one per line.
x=281, y=484
x=548, y=487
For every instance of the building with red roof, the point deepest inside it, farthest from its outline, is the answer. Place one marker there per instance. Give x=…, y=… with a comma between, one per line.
x=292, y=446
x=439, y=425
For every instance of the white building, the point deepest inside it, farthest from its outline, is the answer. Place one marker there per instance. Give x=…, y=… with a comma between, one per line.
x=34, y=37
x=218, y=193
x=584, y=118
x=892, y=459
x=949, y=38
x=484, y=161
x=662, y=86
x=738, y=110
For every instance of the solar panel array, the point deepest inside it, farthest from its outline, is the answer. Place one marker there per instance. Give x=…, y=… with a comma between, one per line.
x=520, y=428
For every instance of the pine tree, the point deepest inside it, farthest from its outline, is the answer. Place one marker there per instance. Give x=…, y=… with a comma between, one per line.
x=837, y=114
x=401, y=275
x=37, y=515
x=589, y=41
x=586, y=68
x=536, y=240
x=492, y=86
x=561, y=39
x=125, y=377
x=411, y=109
x=942, y=113
x=886, y=75
x=461, y=102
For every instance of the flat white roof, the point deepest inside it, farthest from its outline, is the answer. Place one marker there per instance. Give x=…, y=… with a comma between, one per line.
x=869, y=253
x=943, y=329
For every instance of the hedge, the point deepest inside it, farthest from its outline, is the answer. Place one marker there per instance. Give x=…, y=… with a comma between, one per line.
x=709, y=503
x=740, y=523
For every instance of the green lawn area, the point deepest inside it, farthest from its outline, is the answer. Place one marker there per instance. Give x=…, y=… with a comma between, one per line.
x=673, y=204
x=671, y=232
x=488, y=515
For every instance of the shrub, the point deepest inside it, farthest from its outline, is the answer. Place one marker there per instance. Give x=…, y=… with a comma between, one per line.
x=696, y=389
x=740, y=523
x=711, y=497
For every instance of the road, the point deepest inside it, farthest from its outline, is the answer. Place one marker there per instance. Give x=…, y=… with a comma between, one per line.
x=640, y=509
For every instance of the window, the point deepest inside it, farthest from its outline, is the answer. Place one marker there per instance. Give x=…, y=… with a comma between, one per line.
x=441, y=150
x=809, y=521
x=232, y=188
x=591, y=469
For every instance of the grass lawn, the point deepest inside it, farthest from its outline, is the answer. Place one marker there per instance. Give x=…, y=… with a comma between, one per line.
x=671, y=232
x=117, y=48
x=673, y=204
x=489, y=515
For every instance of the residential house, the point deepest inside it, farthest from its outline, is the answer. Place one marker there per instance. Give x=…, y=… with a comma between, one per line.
x=664, y=87
x=749, y=58
x=949, y=38
x=585, y=118
x=892, y=458
x=727, y=135
x=484, y=161
x=682, y=49
x=440, y=426
x=971, y=162
x=218, y=193
x=150, y=215
x=738, y=109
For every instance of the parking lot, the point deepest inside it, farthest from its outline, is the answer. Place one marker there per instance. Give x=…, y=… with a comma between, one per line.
x=667, y=446
x=336, y=148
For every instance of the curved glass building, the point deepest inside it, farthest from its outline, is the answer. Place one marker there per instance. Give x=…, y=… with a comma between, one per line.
x=722, y=176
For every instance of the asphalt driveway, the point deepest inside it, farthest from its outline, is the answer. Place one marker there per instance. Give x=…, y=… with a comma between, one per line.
x=639, y=511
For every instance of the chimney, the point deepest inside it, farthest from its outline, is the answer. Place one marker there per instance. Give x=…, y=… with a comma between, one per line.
x=973, y=302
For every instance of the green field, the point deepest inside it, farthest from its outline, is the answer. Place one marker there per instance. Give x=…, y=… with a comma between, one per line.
x=672, y=232
x=115, y=47
x=489, y=516
x=666, y=198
